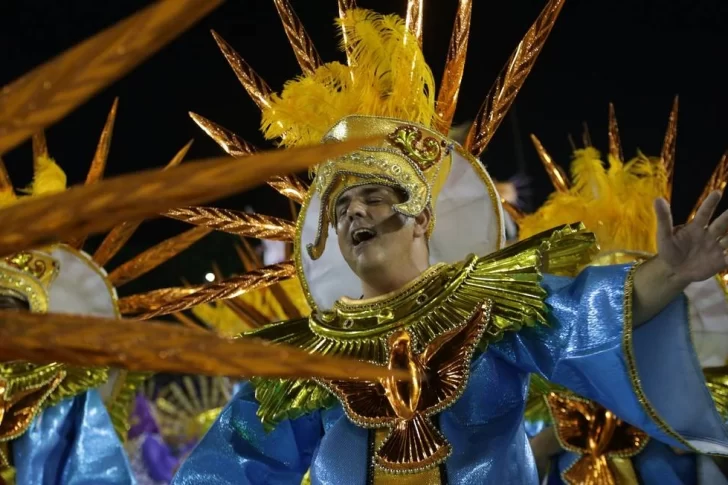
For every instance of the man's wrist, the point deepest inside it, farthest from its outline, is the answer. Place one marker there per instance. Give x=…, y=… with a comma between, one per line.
x=666, y=274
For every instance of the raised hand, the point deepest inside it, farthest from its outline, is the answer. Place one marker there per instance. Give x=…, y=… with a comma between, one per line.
x=695, y=251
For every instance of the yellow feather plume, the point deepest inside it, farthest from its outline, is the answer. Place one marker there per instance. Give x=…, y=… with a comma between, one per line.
x=227, y=323
x=388, y=76
x=616, y=203
x=49, y=178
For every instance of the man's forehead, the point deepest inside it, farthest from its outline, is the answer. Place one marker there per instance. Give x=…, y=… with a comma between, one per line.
x=364, y=189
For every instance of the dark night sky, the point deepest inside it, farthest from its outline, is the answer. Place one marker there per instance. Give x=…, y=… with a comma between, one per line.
x=636, y=53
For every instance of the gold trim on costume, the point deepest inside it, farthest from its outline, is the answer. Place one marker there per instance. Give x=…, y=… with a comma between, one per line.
x=441, y=300
x=628, y=350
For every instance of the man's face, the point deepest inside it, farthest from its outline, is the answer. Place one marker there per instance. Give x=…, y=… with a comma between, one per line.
x=371, y=234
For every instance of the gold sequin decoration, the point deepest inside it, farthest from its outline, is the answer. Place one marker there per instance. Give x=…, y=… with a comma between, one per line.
x=598, y=437
x=442, y=299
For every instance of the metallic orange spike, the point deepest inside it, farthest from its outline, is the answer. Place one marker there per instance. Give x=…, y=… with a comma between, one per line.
x=216, y=271
x=254, y=256
x=154, y=256
x=558, y=177
x=144, y=302
x=302, y=45
x=242, y=224
x=165, y=347
x=40, y=147
x=345, y=5
x=288, y=185
x=247, y=314
x=228, y=141
x=98, y=165
x=51, y=91
x=189, y=322
x=571, y=143
x=513, y=211
x=586, y=136
x=230, y=288
x=509, y=82
x=5, y=183
x=291, y=186
x=120, y=235
x=615, y=145
x=414, y=19
x=447, y=97
x=668, y=146
x=256, y=87
x=246, y=258
x=717, y=182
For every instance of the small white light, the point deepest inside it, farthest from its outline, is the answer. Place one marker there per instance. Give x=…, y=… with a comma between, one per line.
x=210, y=277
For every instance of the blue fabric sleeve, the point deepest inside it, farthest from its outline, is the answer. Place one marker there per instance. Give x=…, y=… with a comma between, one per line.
x=72, y=443
x=651, y=377
x=237, y=450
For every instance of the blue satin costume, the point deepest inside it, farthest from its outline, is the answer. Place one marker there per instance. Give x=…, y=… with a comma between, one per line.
x=582, y=349
x=72, y=443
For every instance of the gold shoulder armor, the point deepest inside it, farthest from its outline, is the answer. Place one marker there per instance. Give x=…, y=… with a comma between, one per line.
x=443, y=299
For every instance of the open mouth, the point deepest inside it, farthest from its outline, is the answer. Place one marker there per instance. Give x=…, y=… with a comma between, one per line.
x=362, y=235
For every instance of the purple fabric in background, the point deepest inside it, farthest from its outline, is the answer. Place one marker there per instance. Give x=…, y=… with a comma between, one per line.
x=142, y=418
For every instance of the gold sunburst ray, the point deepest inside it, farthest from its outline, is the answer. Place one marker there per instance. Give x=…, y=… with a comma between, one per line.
x=509, y=82
x=615, y=144
x=145, y=346
x=447, y=97
x=98, y=207
x=586, y=138
x=40, y=147
x=299, y=39
x=230, y=288
x=247, y=256
x=290, y=186
x=717, y=181
x=6, y=185
x=188, y=322
x=558, y=176
x=256, y=87
x=155, y=299
x=48, y=93
x=345, y=5
x=228, y=141
x=98, y=163
x=667, y=154
x=253, y=225
x=413, y=19
x=120, y=234
x=156, y=255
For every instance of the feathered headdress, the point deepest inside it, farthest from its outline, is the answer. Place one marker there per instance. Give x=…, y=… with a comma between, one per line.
x=384, y=90
x=613, y=200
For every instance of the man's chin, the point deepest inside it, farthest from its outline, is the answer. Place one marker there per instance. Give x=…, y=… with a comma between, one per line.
x=368, y=263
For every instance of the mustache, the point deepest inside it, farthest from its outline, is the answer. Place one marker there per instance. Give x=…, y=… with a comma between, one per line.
x=392, y=223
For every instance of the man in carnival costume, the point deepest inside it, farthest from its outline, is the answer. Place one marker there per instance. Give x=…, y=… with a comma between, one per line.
x=54, y=427
x=583, y=442
x=397, y=291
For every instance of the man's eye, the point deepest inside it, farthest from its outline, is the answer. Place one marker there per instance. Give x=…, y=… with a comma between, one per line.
x=374, y=201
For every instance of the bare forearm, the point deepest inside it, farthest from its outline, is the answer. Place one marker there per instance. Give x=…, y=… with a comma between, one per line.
x=655, y=286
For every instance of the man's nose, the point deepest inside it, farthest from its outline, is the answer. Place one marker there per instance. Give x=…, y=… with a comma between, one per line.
x=356, y=209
